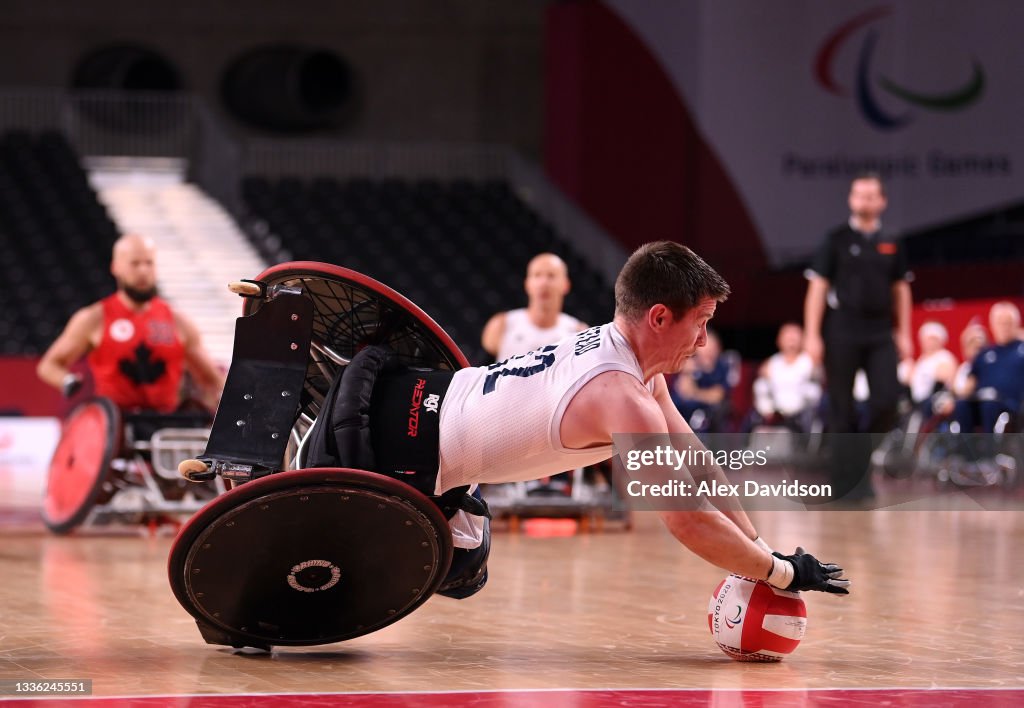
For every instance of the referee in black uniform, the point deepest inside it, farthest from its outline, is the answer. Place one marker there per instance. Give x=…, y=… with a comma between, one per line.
x=856, y=316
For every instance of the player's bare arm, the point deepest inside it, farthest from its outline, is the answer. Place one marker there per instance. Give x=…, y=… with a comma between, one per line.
x=207, y=375
x=904, y=303
x=616, y=402
x=490, y=340
x=677, y=424
x=81, y=334
x=814, y=314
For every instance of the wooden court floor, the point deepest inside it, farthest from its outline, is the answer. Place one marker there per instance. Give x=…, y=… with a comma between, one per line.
x=937, y=601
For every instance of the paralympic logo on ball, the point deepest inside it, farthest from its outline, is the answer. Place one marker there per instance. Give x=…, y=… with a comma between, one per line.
x=866, y=89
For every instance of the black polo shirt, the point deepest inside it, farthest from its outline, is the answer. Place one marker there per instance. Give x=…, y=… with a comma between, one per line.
x=861, y=270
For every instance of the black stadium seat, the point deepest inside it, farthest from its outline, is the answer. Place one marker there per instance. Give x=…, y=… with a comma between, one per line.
x=57, y=239
x=458, y=249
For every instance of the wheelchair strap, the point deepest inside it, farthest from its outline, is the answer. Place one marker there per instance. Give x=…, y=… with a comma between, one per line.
x=341, y=435
x=459, y=499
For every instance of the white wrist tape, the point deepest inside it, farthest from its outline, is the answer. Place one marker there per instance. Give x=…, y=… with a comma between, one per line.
x=781, y=575
x=759, y=542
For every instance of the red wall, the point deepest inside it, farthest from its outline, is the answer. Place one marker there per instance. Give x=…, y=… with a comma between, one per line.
x=22, y=393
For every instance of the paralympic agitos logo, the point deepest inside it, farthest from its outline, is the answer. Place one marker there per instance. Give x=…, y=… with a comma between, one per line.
x=868, y=86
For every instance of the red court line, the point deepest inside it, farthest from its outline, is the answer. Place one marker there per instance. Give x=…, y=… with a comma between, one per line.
x=787, y=698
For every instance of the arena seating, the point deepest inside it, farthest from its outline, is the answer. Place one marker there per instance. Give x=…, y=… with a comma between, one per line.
x=457, y=249
x=56, y=236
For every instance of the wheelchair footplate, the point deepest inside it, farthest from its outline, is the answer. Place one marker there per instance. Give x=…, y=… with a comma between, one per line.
x=262, y=394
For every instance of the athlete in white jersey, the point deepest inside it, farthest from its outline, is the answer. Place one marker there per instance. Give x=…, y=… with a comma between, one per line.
x=479, y=442
x=542, y=321
x=522, y=335
x=785, y=383
x=557, y=408
x=936, y=365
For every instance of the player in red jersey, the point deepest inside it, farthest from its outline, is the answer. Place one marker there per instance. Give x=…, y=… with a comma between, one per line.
x=137, y=346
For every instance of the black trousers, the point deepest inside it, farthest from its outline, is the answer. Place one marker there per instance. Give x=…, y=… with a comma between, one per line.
x=849, y=346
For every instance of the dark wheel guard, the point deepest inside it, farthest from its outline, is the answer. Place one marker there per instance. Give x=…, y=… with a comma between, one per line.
x=309, y=557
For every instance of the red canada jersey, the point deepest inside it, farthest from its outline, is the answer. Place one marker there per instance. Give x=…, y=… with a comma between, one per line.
x=139, y=360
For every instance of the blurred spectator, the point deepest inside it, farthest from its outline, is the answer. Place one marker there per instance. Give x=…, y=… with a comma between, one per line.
x=701, y=389
x=785, y=391
x=934, y=370
x=973, y=339
x=996, y=379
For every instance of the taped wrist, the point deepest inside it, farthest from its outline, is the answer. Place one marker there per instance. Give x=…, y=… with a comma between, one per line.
x=759, y=542
x=782, y=573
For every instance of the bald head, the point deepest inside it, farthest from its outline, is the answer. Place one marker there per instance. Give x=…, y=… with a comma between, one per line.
x=547, y=281
x=133, y=266
x=1004, y=321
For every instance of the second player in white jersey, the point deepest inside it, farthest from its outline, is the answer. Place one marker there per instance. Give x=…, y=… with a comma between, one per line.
x=522, y=335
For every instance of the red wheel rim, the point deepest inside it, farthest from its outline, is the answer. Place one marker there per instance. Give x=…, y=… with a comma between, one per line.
x=351, y=311
x=79, y=464
x=298, y=270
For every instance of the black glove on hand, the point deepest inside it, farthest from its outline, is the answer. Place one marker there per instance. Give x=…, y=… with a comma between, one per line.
x=811, y=574
x=71, y=385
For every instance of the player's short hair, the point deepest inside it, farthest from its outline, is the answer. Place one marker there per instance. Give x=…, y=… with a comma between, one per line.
x=667, y=273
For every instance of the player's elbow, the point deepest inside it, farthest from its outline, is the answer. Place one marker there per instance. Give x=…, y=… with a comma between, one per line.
x=45, y=370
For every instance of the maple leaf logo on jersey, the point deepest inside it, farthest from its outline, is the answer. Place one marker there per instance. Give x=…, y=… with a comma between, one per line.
x=143, y=369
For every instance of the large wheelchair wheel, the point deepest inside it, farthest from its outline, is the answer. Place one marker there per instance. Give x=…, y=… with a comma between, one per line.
x=309, y=557
x=81, y=464
x=351, y=311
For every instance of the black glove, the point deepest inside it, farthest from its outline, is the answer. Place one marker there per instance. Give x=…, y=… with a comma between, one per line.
x=71, y=385
x=811, y=574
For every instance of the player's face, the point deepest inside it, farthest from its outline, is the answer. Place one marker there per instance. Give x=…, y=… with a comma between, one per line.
x=690, y=332
x=867, y=200
x=546, y=279
x=971, y=343
x=135, y=267
x=1004, y=323
x=791, y=339
x=930, y=343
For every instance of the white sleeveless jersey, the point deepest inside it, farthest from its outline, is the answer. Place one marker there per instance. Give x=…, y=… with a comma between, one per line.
x=788, y=382
x=501, y=423
x=923, y=375
x=521, y=335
